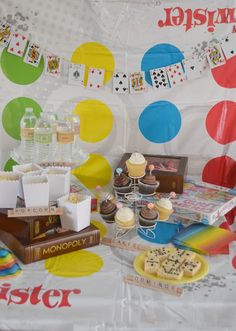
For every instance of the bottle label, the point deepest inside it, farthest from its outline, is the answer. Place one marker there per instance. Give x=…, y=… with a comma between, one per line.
x=27, y=134
x=65, y=137
x=43, y=138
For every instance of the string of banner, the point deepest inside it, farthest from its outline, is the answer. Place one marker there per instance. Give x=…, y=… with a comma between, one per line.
x=166, y=77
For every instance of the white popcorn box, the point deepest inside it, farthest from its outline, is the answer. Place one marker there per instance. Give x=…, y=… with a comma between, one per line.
x=36, y=190
x=25, y=170
x=59, y=181
x=76, y=215
x=9, y=185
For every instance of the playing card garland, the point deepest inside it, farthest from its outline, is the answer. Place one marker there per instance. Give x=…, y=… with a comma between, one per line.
x=162, y=78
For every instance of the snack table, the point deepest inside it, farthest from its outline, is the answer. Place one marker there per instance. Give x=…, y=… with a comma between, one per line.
x=84, y=290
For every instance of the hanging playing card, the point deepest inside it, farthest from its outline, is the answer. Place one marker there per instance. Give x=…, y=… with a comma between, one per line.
x=228, y=45
x=76, y=74
x=95, y=78
x=176, y=74
x=159, y=78
x=215, y=56
x=5, y=33
x=17, y=44
x=137, y=82
x=53, y=65
x=195, y=67
x=33, y=54
x=120, y=82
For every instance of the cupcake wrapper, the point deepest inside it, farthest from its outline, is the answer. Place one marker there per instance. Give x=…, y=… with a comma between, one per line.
x=123, y=189
x=147, y=223
x=109, y=217
x=147, y=188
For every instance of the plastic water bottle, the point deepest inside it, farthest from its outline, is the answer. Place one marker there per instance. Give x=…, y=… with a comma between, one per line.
x=27, y=125
x=65, y=139
x=43, y=139
x=52, y=119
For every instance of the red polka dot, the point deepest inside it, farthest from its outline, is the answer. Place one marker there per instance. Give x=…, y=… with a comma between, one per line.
x=225, y=75
x=234, y=262
x=220, y=171
x=220, y=122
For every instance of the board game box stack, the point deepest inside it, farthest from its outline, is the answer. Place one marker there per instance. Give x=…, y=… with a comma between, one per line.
x=45, y=214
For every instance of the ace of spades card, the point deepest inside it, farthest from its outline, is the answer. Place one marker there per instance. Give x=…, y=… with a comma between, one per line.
x=159, y=78
x=76, y=74
x=5, y=33
x=228, y=45
x=53, y=65
x=136, y=82
x=17, y=44
x=120, y=82
x=176, y=74
x=33, y=54
x=215, y=56
x=194, y=67
x=95, y=78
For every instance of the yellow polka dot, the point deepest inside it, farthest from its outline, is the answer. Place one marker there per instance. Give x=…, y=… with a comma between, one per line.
x=101, y=227
x=94, y=55
x=96, y=171
x=96, y=120
x=76, y=264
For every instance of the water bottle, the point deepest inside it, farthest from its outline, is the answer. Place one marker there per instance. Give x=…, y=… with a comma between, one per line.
x=27, y=125
x=43, y=139
x=52, y=119
x=65, y=139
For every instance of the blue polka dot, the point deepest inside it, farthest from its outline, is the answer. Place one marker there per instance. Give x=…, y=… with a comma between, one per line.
x=161, y=55
x=160, y=121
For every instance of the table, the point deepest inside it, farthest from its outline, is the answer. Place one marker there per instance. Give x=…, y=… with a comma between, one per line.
x=101, y=301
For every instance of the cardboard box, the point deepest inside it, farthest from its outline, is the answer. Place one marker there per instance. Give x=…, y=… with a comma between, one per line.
x=170, y=171
x=36, y=190
x=59, y=181
x=9, y=186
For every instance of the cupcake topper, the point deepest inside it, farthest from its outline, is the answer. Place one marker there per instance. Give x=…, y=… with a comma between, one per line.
x=172, y=195
x=119, y=171
x=150, y=205
x=119, y=205
x=151, y=168
x=106, y=196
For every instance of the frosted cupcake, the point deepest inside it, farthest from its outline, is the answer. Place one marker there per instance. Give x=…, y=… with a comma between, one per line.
x=148, y=215
x=148, y=184
x=124, y=217
x=121, y=183
x=108, y=210
x=136, y=165
x=164, y=207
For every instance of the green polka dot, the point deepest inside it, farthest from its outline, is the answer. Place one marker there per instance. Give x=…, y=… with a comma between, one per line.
x=17, y=71
x=13, y=113
x=9, y=165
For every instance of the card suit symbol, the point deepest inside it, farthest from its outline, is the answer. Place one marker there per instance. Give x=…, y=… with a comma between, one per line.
x=158, y=74
x=124, y=76
x=174, y=82
x=163, y=79
x=154, y=73
x=181, y=80
x=90, y=85
x=100, y=72
x=12, y=49
x=16, y=35
x=116, y=75
x=179, y=73
x=19, y=52
x=175, y=71
x=160, y=83
x=120, y=82
x=92, y=71
x=162, y=76
x=232, y=52
x=18, y=44
x=172, y=76
x=23, y=37
x=124, y=89
x=177, y=67
x=161, y=71
x=117, y=88
x=164, y=84
x=227, y=39
x=192, y=67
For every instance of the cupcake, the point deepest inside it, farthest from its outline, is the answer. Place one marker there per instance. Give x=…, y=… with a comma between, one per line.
x=164, y=207
x=148, y=184
x=108, y=210
x=136, y=165
x=148, y=215
x=124, y=217
x=121, y=182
